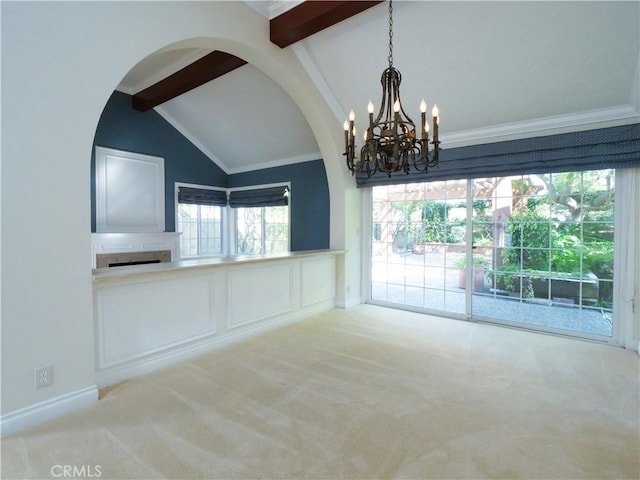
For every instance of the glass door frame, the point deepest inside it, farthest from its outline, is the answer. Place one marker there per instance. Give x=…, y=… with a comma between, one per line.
x=618, y=335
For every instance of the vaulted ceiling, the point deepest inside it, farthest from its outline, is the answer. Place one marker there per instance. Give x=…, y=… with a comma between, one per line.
x=497, y=70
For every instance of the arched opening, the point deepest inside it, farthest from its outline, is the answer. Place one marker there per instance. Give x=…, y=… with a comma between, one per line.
x=235, y=130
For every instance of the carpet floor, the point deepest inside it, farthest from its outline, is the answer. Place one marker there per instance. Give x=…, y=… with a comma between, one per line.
x=367, y=393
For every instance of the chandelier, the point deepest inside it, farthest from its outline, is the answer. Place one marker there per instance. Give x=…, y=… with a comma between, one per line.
x=390, y=141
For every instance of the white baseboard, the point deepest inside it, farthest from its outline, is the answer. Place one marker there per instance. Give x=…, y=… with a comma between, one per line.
x=350, y=303
x=192, y=349
x=631, y=344
x=33, y=415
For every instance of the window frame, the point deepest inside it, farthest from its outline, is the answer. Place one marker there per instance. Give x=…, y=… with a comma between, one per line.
x=229, y=218
x=223, y=217
x=232, y=219
x=623, y=313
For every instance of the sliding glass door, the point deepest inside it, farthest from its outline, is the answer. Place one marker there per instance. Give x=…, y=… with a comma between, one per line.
x=418, y=241
x=550, y=240
x=533, y=250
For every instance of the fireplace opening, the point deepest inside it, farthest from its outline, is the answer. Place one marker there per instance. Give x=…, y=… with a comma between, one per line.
x=125, y=259
x=137, y=262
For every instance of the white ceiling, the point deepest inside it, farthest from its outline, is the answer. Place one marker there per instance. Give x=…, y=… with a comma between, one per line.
x=496, y=70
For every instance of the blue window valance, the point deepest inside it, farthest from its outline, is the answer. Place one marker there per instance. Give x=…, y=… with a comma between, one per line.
x=262, y=197
x=613, y=147
x=202, y=196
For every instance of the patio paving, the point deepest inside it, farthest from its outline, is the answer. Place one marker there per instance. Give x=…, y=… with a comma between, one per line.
x=402, y=280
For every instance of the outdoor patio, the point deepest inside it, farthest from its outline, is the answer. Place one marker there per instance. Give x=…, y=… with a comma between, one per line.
x=430, y=281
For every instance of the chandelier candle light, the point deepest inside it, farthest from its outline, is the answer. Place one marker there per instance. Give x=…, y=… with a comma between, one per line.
x=390, y=141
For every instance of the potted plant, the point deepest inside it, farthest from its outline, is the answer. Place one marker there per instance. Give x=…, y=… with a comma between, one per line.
x=480, y=265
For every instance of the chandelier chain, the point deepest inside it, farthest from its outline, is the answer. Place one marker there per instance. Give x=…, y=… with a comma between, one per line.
x=390, y=57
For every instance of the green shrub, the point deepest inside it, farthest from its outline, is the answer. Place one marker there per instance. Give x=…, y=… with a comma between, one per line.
x=567, y=257
x=530, y=239
x=461, y=263
x=505, y=276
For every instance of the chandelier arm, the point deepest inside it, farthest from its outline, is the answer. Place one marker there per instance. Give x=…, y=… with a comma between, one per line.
x=420, y=161
x=351, y=166
x=366, y=163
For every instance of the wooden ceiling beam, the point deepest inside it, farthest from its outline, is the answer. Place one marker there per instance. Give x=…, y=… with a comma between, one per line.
x=312, y=16
x=211, y=66
x=300, y=22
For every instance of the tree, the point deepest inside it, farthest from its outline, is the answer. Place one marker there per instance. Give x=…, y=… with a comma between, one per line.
x=580, y=192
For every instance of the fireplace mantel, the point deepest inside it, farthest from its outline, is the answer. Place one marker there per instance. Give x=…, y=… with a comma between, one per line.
x=134, y=242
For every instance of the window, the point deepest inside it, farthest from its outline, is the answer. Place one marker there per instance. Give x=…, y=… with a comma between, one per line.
x=540, y=246
x=548, y=243
x=201, y=227
x=261, y=218
x=244, y=221
x=200, y=219
x=262, y=230
x=418, y=235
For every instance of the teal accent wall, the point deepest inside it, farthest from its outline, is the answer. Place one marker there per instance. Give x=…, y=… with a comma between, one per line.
x=310, y=205
x=123, y=128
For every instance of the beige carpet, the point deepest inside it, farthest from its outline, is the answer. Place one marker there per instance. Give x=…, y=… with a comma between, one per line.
x=363, y=393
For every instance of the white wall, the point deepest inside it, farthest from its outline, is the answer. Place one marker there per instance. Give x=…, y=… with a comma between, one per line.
x=60, y=64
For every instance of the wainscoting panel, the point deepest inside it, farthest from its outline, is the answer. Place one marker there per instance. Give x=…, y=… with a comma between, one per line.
x=317, y=282
x=152, y=316
x=259, y=292
x=135, y=320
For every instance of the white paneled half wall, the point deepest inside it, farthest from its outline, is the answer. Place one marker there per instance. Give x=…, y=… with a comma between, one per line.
x=148, y=317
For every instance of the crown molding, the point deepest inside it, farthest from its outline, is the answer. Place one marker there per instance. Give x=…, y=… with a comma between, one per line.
x=307, y=157
x=314, y=73
x=178, y=126
x=634, y=97
x=600, y=118
x=229, y=171
x=604, y=117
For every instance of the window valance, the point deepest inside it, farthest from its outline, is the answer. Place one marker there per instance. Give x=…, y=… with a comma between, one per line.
x=202, y=196
x=614, y=147
x=263, y=197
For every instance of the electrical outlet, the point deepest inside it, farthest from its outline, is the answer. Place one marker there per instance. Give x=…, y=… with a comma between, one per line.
x=43, y=376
